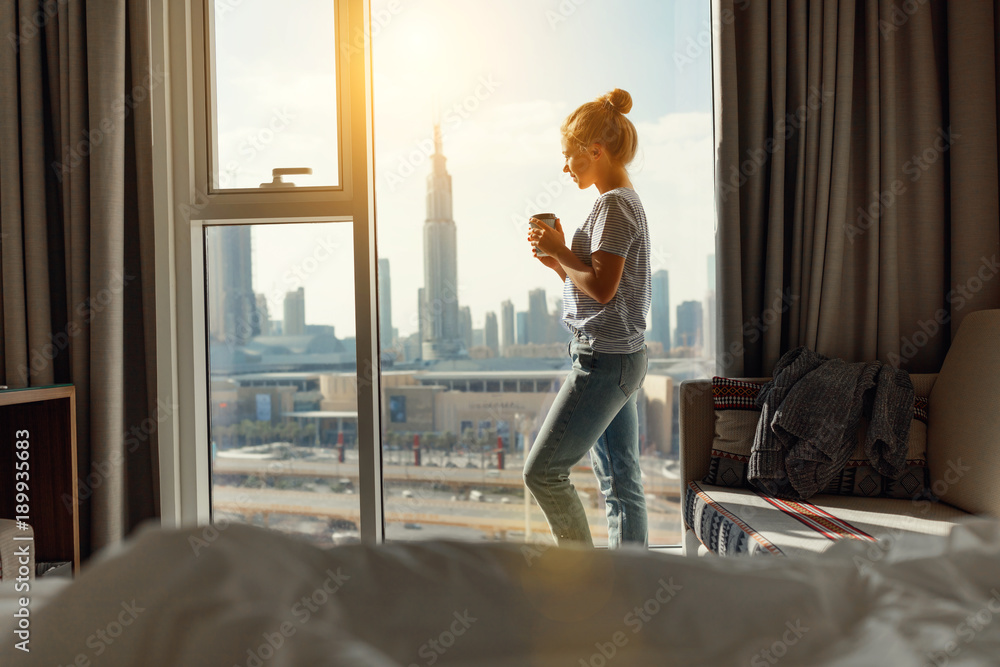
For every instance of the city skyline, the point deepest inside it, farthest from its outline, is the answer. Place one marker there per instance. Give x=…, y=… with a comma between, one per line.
x=500, y=127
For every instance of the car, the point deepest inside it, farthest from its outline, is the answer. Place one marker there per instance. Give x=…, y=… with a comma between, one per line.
x=412, y=526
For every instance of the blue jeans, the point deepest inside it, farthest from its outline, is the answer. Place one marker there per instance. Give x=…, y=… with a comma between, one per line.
x=595, y=411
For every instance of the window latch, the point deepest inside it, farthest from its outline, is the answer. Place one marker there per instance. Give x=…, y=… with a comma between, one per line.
x=288, y=171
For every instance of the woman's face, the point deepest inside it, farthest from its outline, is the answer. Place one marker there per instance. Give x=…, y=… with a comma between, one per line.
x=578, y=164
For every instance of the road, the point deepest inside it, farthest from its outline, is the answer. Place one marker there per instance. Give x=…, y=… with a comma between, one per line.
x=583, y=478
x=494, y=519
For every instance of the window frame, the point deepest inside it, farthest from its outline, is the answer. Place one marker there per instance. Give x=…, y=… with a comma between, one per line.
x=185, y=203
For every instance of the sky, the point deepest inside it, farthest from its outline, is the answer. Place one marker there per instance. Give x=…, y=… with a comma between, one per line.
x=500, y=78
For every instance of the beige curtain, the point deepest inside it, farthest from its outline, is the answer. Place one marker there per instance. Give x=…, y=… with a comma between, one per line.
x=857, y=181
x=77, y=262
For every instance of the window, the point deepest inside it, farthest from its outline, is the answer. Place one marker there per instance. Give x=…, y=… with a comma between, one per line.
x=277, y=430
x=470, y=306
x=273, y=77
x=274, y=285
x=469, y=358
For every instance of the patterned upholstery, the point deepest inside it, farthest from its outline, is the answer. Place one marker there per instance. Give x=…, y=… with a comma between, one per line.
x=736, y=418
x=738, y=522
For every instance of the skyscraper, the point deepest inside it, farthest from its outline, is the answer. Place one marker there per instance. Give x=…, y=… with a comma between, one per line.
x=522, y=328
x=688, y=325
x=507, y=325
x=660, y=311
x=262, y=318
x=295, y=313
x=422, y=324
x=230, y=281
x=538, y=317
x=492, y=333
x=465, y=326
x=385, y=304
x=442, y=337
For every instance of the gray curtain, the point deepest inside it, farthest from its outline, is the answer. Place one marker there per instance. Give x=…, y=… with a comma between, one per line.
x=76, y=221
x=857, y=180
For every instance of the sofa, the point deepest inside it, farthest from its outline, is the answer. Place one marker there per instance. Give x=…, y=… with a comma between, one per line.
x=960, y=472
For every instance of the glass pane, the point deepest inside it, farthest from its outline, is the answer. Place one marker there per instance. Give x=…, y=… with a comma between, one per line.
x=274, y=97
x=282, y=358
x=473, y=343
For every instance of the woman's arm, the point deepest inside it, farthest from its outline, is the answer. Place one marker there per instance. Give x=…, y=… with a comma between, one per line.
x=551, y=262
x=599, y=281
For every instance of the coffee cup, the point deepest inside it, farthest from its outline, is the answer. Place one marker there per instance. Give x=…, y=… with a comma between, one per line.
x=546, y=219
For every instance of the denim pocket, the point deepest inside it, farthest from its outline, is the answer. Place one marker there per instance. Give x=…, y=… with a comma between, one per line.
x=633, y=372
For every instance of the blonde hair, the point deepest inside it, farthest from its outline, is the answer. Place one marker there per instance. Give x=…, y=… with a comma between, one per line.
x=603, y=121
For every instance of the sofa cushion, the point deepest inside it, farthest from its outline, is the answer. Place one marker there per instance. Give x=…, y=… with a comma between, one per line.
x=964, y=423
x=736, y=522
x=736, y=418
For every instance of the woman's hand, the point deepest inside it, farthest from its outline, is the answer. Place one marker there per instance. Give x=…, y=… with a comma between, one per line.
x=547, y=260
x=550, y=240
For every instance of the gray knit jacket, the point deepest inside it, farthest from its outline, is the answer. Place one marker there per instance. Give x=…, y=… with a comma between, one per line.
x=808, y=426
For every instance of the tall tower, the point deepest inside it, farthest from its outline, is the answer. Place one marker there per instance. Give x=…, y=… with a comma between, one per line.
x=492, y=333
x=538, y=317
x=507, y=336
x=442, y=337
x=295, y=312
x=230, y=278
x=689, y=323
x=660, y=314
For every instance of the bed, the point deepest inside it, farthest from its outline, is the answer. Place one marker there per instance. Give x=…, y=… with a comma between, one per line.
x=250, y=597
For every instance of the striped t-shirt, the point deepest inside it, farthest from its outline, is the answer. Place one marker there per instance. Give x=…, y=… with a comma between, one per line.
x=616, y=225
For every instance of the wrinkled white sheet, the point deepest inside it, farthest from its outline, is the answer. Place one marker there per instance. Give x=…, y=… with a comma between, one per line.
x=252, y=598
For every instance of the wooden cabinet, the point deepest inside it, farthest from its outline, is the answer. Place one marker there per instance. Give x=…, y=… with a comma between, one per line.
x=45, y=418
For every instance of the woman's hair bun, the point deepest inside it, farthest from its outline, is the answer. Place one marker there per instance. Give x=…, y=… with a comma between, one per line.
x=619, y=100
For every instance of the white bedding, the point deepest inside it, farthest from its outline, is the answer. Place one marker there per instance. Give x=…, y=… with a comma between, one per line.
x=159, y=602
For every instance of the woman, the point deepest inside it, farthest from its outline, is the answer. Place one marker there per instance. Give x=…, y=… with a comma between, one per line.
x=606, y=295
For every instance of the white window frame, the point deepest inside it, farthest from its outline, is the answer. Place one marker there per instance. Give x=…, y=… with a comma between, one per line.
x=185, y=204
